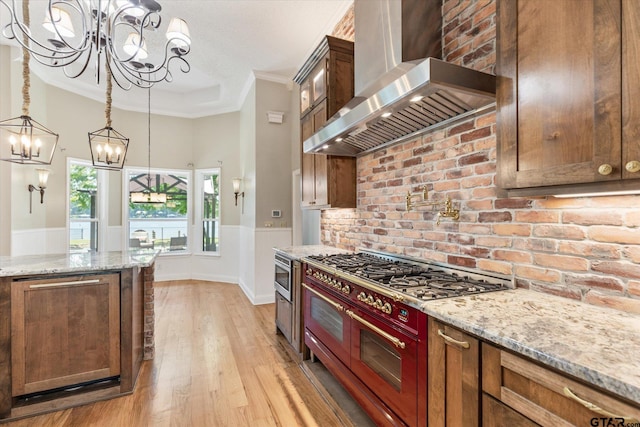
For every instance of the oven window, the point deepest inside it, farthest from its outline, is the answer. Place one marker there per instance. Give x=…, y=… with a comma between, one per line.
x=382, y=357
x=282, y=277
x=327, y=317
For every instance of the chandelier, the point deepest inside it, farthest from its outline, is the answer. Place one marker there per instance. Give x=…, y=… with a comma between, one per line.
x=110, y=31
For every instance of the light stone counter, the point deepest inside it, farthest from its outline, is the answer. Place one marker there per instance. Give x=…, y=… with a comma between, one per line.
x=299, y=252
x=598, y=345
x=67, y=263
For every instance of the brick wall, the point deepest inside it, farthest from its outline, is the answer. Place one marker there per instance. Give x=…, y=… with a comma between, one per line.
x=583, y=248
x=149, y=312
x=345, y=28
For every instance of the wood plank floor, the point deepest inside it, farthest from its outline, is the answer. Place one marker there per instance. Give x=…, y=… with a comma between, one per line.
x=218, y=362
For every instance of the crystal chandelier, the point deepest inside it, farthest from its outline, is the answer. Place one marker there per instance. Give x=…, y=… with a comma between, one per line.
x=110, y=31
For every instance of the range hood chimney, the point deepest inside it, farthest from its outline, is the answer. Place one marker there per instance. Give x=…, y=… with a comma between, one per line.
x=402, y=88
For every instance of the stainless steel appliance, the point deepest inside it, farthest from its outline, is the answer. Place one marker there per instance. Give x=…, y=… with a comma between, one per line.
x=283, y=277
x=363, y=321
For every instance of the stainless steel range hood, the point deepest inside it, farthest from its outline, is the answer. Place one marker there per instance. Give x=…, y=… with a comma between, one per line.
x=401, y=99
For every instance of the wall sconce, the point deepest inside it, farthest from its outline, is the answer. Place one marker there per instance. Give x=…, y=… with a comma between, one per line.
x=236, y=189
x=43, y=177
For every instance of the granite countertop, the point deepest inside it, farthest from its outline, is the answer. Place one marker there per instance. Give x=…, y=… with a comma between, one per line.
x=80, y=262
x=298, y=252
x=598, y=345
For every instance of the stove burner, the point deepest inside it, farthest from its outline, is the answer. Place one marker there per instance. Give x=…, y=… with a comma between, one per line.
x=424, y=282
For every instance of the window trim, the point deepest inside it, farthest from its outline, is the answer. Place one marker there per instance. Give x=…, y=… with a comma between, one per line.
x=102, y=213
x=126, y=172
x=198, y=209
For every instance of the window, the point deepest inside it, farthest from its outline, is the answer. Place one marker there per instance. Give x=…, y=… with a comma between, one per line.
x=208, y=209
x=160, y=220
x=83, y=207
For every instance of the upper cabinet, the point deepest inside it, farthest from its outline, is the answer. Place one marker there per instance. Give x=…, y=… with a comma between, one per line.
x=568, y=96
x=326, y=85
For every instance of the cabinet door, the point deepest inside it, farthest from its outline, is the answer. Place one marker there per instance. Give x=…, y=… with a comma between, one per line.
x=318, y=81
x=545, y=396
x=453, y=377
x=305, y=97
x=559, y=92
x=64, y=331
x=631, y=89
x=319, y=114
x=307, y=164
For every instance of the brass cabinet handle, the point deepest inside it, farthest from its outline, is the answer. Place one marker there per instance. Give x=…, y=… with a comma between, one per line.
x=379, y=331
x=328, y=300
x=595, y=408
x=60, y=284
x=633, y=166
x=449, y=340
x=605, y=169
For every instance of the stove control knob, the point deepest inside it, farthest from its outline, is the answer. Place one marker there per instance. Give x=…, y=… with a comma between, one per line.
x=346, y=289
x=369, y=300
x=386, y=308
x=362, y=296
x=378, y=304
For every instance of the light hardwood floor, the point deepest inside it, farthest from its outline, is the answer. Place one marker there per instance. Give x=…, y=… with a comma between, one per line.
x=218, y=362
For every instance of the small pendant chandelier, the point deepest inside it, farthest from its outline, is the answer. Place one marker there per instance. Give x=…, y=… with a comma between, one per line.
x=108, y=146
x=146, y=195
x=31, y=142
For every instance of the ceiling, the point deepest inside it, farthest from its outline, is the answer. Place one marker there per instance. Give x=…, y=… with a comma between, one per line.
x=233, y=42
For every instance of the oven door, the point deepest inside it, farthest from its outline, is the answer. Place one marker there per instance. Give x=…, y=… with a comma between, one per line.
x=385, y=359
x=325, y=319
x=283, y=277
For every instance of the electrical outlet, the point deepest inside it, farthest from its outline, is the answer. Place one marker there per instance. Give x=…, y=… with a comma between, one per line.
x=283, y=223
x=268, y=224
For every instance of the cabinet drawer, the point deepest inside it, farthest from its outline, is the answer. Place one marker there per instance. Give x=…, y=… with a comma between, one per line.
x=545, y=396
x=497, y=414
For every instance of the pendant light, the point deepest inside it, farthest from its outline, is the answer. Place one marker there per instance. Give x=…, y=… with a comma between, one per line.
x=147, y=196
x=108, y=146
x=30, y=142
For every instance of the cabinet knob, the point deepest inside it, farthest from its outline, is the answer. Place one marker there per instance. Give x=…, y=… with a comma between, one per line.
x=633, y=166
x=605, y=169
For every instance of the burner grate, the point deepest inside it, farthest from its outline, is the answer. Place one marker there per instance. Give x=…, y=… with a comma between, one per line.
x=422, y=281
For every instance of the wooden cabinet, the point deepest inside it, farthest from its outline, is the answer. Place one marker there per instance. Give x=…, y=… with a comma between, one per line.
x=453, y=376
x=69, y=339
x=527, y=393
x=566, y=119
x=64, y=331
x=326, y=85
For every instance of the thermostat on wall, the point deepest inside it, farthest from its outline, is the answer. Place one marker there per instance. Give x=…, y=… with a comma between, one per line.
x=276, y=213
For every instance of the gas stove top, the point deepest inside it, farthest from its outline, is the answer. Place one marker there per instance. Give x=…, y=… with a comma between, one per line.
x=418, y=279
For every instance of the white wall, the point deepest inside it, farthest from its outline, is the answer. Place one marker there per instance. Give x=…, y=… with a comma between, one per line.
x=242, y=144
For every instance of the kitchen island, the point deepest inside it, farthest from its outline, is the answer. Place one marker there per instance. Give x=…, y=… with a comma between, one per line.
x=72, y=328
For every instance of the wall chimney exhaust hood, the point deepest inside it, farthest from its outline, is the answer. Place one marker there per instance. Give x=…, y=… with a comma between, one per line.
x=398, y=95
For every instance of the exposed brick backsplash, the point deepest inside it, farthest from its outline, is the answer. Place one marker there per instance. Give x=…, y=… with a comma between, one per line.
x=584, y=248
x=345, y=28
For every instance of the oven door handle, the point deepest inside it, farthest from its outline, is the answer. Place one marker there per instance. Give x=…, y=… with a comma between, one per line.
x=328, y=300
x=379, y=331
